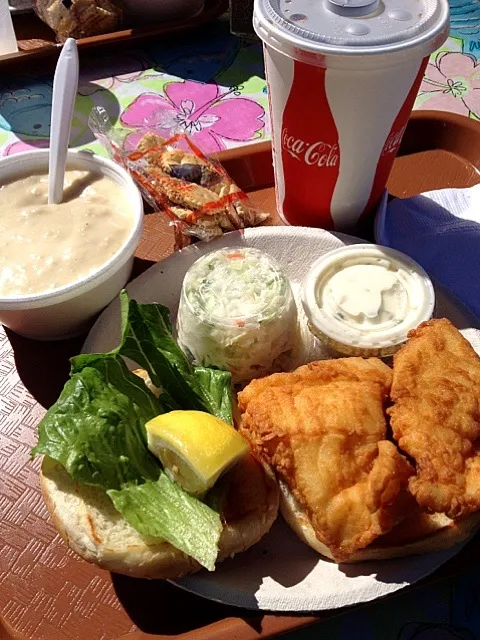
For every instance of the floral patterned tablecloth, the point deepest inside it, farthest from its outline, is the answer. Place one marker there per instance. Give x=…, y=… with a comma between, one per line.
x=213, y=86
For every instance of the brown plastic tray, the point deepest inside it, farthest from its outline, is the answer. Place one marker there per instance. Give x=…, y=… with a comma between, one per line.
x=46, y=592
x=36, y=40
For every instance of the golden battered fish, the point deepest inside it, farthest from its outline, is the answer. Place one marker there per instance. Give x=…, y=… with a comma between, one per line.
x=436, y=417
x=322, y=429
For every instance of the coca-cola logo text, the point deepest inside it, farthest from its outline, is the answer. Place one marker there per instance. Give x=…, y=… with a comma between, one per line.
x=317, y=153
x=393, y=141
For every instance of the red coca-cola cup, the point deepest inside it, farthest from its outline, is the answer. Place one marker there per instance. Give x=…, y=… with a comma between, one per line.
x=342, y=77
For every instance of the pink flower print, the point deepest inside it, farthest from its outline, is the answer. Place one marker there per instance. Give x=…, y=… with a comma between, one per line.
x=200, y=110
x=31, y=145
x=452, y=84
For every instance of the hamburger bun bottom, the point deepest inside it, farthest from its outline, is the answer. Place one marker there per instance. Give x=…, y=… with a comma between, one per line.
x=420, y=534
x=86, y=519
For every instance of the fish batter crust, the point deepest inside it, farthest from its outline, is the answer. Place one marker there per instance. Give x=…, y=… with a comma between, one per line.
x=436, y=417
x=322, y=429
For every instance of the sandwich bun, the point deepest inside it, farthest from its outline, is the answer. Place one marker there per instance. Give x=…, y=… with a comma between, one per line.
x=90, y=525
x=422, y=533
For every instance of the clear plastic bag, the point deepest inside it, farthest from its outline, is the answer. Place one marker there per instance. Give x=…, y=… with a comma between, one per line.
x=176, y=177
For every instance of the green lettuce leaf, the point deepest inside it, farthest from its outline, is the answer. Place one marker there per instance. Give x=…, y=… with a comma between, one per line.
x=116, y=372
x=147, y=332
x=96, y=429
x=162, y=509
x=147, y=340
x=97, y=432
x=218, y=386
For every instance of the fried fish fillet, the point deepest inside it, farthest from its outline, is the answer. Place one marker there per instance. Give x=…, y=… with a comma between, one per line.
x=322, y=429
x=436, y=417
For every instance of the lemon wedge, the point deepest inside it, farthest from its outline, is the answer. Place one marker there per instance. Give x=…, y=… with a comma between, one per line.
x=194, y=447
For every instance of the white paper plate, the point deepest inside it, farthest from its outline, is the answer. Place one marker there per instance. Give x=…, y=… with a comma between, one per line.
x=281, y=573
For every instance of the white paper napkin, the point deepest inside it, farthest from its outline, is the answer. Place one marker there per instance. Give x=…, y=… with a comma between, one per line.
x=441, y=231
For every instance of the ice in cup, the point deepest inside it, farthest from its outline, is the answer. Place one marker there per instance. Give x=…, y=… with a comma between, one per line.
x=342, y=78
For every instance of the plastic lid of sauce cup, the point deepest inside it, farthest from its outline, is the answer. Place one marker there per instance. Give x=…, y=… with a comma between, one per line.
x=363, y=299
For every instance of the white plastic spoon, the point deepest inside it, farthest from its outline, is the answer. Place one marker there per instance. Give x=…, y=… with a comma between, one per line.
x=8, y=41
x=65, y=84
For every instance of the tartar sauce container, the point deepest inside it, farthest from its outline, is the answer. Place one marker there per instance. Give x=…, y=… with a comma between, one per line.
x=237, y=312
x=363, y=299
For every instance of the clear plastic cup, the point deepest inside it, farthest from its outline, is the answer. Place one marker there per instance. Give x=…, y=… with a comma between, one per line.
x=237, y=312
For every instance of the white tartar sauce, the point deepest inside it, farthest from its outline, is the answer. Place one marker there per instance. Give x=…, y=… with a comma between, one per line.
x=364, y=299
x=47, y=246
x=368, y=294
x=237, y=312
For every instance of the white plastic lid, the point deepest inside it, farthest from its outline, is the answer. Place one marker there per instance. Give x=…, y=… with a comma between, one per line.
x=352, y=27
x=236, y=286
x=353, y=8
x=411, y=293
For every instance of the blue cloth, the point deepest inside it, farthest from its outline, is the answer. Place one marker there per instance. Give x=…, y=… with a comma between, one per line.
x=441, y=231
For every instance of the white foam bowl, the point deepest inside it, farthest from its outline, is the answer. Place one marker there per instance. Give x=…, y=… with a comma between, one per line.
x=68, y=310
